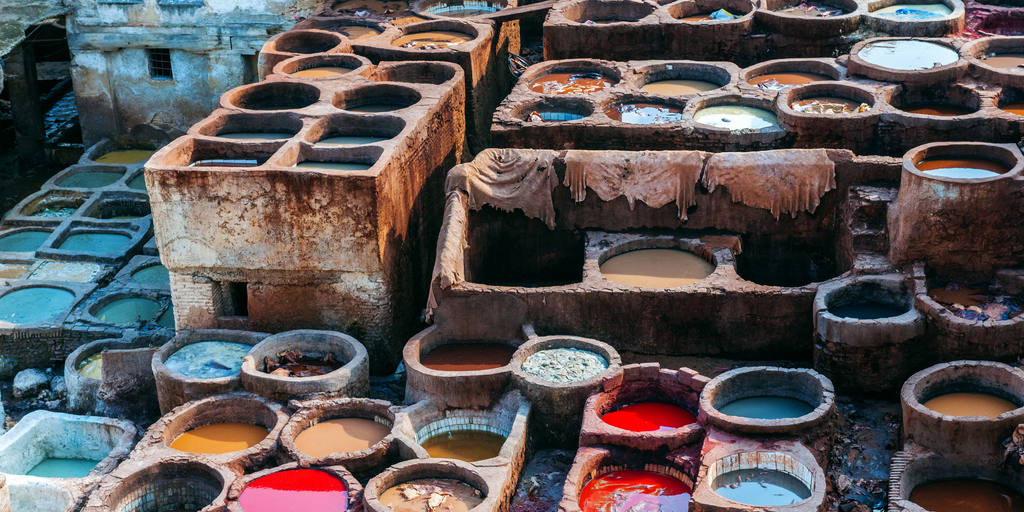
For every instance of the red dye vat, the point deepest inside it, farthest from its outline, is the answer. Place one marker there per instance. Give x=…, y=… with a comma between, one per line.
x=636, y=491
x=649, y=416
x=296, y=490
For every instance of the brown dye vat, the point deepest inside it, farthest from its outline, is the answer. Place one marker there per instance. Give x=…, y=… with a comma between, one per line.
x=220, y=438
x=812, y=10
x=125, y=156
x=679, y=87
x=304, y=367
x=432, y=40
x=356, y=31
x=827, y=105
x=1005, y=60
x=413, y=496
x=468, y=357
x=407, y=20
x=776, y=81
x=970, y=404
x=465, y=445
x=656, y=268
x=967, y=495
x=374, y=6
x=1014, y=108
x=344, y=435
x=976, y=303
x=581, y=82
x=937, y=109
x=322, y=72
x=704, y=16
x=967, y=168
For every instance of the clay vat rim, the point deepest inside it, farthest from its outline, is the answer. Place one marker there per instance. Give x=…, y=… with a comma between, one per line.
x=904, y=75
x=460, y=422
x=392, y=90
x=616, y=4
x=108, y=199
x=77, y=297
x=212, y=403
x=819, y=412
x=299, y=63
x=1000, y=101
x=855, y=10
x=553, y=341
x=834, y=72
x=643, y=243
x=822, y=310
x=232, y=97
x=421, y=9
x=945, y=315
x=971, y=51
x=925, y=462
x=619, y=100
x=300, y=33
x=623, y=397
x=790, y=457
x=329, y=410
x=554, y=104
x=747, y=17
x=955, y=6
x=896, y=100
x=87, y=350
x=789, y=95
x=219, y=474
x=389, y=66
x=678, y=70
x=270, y=120
x=914, y=388
x=445, y=374
x=654, y=466
x=609, y=69
x=344, y=120
x=920, y=153
x=34, y=203
x=448, y=469
x=352, y=486
x=739, y=100
x=63, y=176
x=192, y=336
x=163, y=300
x=437, y=23
x=348, y=343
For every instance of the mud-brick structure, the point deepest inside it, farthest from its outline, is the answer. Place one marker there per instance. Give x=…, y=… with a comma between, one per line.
x=256, y=239
x=150, y=69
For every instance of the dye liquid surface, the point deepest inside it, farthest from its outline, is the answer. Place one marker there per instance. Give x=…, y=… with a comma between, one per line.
x=322, y=72
x=908, y=54
x=126, y=156
x=343, y=435
x=635, y=491
x=937, y=109
x=466, y=357
x=679, y=87
x=92, y=366
x=829, y=105
x=777, y=81
x=649, y=417
x=355, y=31
x=967, y=495
x=760, y=487
x=138, y=182
x=373, y=6
x=1005, y=60
x=962, y=168
x=466, y=445
x=915, y=11
x=295, y=490
x=255, y=136
x=208, y=359
x=434, y=40
x=1014, y=108
x=152, y=274
x=735, y=117
x=23, y=241
x=416, y=496
x=970, y=404
x=333, y=166
x=30, y=305
x=126, y=311
x=807, y=9
x=644, y=113
x=656, y=268
x=220, y=438
x=571, y=83
x=94, y=242
x=564, y=364
x=63, y=468
x=347, y=142
x=867, y=310
x=90, y=179
x=976, y=303
x=766, y=408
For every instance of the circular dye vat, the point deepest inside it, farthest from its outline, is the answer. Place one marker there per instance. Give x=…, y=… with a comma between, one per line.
x=153, y=274
x=767, y=408
x=627, y=489
x=829, y=105
x=347, y=142
x=466, y=445
x=356, y=31
x=907, y=12
x=208, y=359
x=977, y=303
x=63, y=468
x=866, y=310
x=908, y=54
x=138, y=182
x=807, y=9
x=461, y=9
x=30, y=305
x=656, y=268
x=679, y=87
x=967, y=495
x=333, y=166
x=322, y=72
x=649, y=417
x=295, y=490
x=92, y=366
x=90, y=179
x=937, y=109
x=760, y=487
x=253, y=136
x=574, y=82
x=962, y=168
x=407, y=20
x=644, y=113
x=564, y=364
x=1014, y=108
x=468, y=357
x=1005, y=60
x=373, y=6
x=220, y=438
x=433, y=40
x=970, y=404
x=735, y=117
x=777, y=81
x=343, y=435
x=95, y=242
x=126, y=156
x=23, y=241
x=415, y=495
x=55, y=212
x=127, y=311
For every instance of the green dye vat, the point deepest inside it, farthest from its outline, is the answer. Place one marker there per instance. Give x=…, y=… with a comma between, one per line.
x=30, y=305
x=127, y=311
x=138, y=182
x=91, y=179
x=23, y=241
x=95, y=242
x=166, y=319
x=153, y=274
x=63, y=468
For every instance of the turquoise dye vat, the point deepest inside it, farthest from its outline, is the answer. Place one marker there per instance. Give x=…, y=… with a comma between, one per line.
x=166, y=319
x=208, y=359
x=95, y=242
x=766, y=408
x=761, y=487
x=138, y=182
x=30, y=305
x=154, y=274
x=23, y=241
x=63, y=468
x=91, y=179
x=127, y=311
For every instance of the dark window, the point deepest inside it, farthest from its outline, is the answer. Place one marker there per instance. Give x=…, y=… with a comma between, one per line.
x=160, y=64
x=234, y=299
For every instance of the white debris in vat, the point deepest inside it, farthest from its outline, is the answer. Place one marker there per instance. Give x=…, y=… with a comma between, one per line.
x=564, y=364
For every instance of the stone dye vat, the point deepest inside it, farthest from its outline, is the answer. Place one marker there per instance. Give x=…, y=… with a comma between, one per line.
x=355, y=432
x=364, y=264
x=310, y=364
x=810, y=112
x=909, y=61
x=766, y=400
x=169, y=483
x=760, y=479
x=64, y=446
x=113, y=376
x=405, y=487
x=603, y=478
x=330, y=488
x=918, y=18
x=997, y=60
x=491, y=437
x=945, y=483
